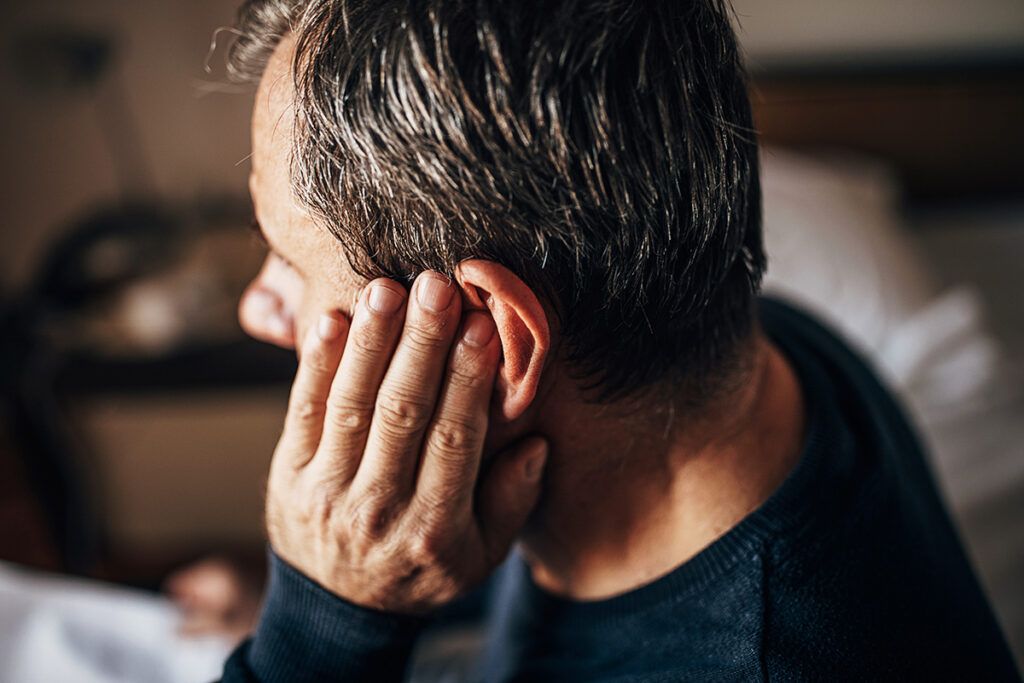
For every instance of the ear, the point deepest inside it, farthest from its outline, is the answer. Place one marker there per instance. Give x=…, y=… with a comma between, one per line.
x=522, y=328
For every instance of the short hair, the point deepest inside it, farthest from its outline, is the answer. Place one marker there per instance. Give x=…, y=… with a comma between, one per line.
x=603, y=150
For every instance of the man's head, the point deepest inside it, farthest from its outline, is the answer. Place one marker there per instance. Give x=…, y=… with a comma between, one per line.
x=598, y=152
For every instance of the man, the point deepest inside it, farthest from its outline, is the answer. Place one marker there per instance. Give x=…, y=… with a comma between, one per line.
x=703, y=486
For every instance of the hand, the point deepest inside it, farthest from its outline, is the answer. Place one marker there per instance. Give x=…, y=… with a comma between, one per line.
x=217, y=596
x=373, y=486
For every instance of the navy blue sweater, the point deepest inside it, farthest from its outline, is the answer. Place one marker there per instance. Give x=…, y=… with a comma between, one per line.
x=851, y=570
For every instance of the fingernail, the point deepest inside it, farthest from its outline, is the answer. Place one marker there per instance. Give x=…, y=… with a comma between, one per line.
x=434, y=293
x=479, y=329
x=384, y=300
x=328, y=327
x=534, y=465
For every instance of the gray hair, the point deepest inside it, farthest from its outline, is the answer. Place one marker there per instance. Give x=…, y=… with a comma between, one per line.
x=601, y=149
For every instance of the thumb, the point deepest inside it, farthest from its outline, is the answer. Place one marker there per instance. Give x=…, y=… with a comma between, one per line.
x=510, y=492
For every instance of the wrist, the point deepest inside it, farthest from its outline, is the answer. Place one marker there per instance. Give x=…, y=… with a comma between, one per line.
x=306, y=632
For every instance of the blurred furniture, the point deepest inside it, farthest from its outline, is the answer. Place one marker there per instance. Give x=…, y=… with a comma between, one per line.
x=950, y=130
x=55, y=354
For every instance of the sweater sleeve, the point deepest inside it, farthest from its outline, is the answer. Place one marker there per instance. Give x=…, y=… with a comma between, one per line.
x=306, y=633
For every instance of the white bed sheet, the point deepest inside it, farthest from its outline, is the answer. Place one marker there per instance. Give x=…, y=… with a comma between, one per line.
x=55, y=629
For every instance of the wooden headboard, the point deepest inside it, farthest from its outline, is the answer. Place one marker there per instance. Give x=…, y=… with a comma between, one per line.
x=950, y=134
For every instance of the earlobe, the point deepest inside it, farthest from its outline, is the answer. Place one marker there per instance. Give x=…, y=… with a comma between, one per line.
x=522, y=327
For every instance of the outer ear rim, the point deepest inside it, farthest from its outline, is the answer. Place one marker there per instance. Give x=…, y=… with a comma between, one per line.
x=484, y=291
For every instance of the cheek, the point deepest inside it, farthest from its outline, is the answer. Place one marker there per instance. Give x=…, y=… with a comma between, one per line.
x=327, y=297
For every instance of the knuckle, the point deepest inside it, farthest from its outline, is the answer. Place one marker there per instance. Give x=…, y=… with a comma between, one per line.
x=465, y=376
x=304, y=409
x=371, y=339
x=427, y=547
x=368, y=520
x=434, y=509
x=453, y=436
x=350, y=415
x=402, y=413
x=427, y=335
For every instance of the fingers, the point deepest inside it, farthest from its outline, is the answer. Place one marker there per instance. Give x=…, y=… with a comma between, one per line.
x=408, y=393
x=376, y=324
x=509, y=494
x=307, y=403
x=211, y=585
x=455, y=438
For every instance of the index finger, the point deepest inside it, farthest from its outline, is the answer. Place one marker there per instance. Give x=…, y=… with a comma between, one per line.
x=318, y=361
x=373, y=333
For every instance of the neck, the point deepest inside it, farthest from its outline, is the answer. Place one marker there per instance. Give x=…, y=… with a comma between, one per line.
x=629, y=497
